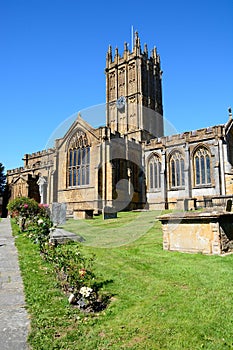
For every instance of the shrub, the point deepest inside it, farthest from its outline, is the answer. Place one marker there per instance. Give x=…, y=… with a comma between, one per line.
x=73, y=269
x=38, y=230
x=76, y=276
x=23, y=207
x=32, y=218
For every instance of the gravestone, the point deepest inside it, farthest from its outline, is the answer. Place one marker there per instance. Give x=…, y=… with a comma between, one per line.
x=229, y=205
x=109, y=213
x=190, y=204
x=58, y=213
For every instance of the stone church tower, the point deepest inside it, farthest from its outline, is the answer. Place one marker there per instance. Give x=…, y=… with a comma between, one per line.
x=129, y=163
x=134, y=92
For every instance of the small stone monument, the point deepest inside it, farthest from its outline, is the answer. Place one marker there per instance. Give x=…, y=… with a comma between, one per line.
x=206, y=232
x=86, y=214
x=229, y=205
x=58, y=213
x=109, y=213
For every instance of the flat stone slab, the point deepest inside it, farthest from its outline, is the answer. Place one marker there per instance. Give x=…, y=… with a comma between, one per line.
x=61, y=236
x=196, y=215
x=14, y=320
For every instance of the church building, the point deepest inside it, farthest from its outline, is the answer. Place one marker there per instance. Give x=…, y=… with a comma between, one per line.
x=129, y=163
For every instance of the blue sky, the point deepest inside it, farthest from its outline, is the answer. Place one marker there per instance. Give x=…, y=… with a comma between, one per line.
x=53, y=58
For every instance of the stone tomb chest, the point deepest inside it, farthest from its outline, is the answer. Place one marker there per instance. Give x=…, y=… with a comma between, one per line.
x=198, y=232
x=83, y=214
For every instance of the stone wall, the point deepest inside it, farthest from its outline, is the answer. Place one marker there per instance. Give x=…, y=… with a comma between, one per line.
x=187, y=143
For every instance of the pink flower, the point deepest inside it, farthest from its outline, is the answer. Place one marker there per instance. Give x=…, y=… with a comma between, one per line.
x=25, y=206
x=41, y=205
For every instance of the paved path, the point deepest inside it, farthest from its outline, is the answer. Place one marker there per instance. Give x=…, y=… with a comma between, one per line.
x=14, y=321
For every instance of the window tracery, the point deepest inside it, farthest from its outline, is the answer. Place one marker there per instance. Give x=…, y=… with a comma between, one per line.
x=177, y=170
x=79, y=160
x=154, y=170
x=202, y=174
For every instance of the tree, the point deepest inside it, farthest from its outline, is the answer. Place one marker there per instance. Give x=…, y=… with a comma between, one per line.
x=2, y=180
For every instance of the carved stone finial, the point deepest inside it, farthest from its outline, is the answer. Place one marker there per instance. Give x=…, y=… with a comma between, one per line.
x=136, y=40
x=146, y=49
x=116, y=51
x=125, y=46
x=230, y=113
x=154, y=52
x=137, y=45
x=109, y=54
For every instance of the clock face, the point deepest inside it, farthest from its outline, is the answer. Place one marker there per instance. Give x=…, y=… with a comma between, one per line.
x=120, y=103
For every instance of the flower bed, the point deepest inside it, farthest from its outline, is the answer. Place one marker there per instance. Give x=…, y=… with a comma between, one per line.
x=74, y=271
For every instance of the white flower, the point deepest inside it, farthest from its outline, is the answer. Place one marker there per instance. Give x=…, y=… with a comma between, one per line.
x=85, y=291
x=40, y=221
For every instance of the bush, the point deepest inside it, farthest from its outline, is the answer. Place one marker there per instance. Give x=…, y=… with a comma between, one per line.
x=23, y=207
x=31, y=217
x=73, y=270
x=76, y=276
x=38, y=230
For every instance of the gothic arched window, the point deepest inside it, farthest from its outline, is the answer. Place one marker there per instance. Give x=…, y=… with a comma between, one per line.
x=154, y=170
x=79, y=161
x=201, y=160
x=177, y=170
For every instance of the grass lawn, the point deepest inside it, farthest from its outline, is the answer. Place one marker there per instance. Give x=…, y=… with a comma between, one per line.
x=161, y=300
x=128, y=227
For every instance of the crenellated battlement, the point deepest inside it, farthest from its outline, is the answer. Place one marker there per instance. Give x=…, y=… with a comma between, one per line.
x=16, y=170
x=127, y=55
x=36, y=166
x=189, y=136
x=34, y=161
x=39, y=153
